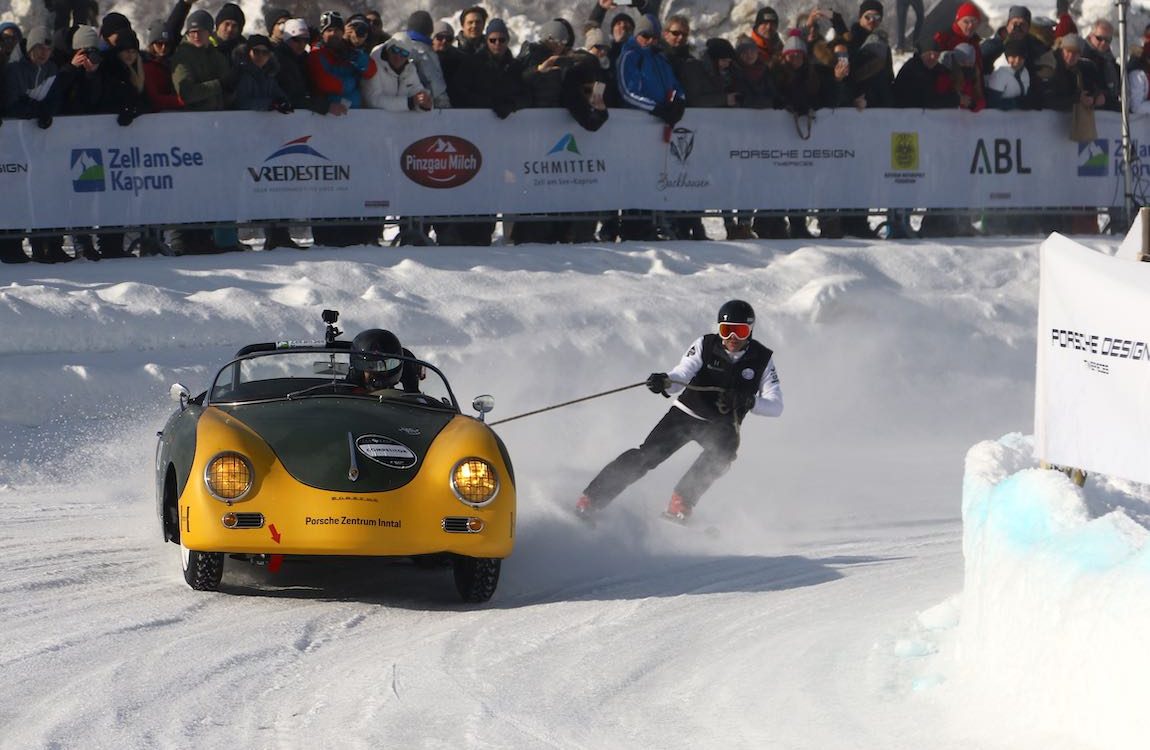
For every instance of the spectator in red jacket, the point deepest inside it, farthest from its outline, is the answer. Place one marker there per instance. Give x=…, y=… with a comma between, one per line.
x=158, y=70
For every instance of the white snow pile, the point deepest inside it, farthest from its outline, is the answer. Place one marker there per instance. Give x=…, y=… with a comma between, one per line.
x=1056, y=599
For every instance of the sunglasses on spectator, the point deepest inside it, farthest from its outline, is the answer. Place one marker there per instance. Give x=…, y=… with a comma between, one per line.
x=1101, y=39
x=741, y=331
x=444, y=37
x=400, y=51
x=261, y=51
x=497, y=40
x=676, y=33
x=872, y=16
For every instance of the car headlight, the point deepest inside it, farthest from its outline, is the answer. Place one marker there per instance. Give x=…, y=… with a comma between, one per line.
x=474, y=481
x=228, y=476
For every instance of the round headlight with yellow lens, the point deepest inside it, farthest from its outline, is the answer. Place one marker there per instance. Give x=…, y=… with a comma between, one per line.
x=228, y=476
x=475, y=482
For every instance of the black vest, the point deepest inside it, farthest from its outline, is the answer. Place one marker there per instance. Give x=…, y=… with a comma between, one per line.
x=739, y=380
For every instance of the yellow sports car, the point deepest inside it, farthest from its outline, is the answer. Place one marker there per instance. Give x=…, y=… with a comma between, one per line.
x=302, y=449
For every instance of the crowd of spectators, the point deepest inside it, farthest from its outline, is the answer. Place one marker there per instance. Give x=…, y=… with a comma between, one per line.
x=619, y=56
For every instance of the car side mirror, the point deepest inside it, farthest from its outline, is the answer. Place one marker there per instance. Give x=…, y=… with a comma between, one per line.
x=483, y=404
x=180, y=394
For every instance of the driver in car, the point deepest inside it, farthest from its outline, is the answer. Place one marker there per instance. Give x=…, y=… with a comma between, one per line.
x=376, y=372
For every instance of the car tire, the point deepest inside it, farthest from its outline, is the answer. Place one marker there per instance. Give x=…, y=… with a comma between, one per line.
x=202, y=570
x=476, y=577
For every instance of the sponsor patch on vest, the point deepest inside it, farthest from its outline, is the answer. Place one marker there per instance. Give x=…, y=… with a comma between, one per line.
x=748, y=373
x=385, y=451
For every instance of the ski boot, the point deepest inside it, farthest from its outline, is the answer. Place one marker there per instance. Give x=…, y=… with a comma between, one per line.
x=677, y=510
x=585, y=511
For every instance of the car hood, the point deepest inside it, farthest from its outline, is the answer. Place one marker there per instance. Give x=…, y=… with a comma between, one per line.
x=344, y=444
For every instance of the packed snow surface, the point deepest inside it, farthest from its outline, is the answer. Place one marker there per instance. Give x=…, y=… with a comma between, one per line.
x=889, y=570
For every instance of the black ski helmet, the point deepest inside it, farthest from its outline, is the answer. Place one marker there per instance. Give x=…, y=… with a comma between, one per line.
x=383, y=371
x=736, y=311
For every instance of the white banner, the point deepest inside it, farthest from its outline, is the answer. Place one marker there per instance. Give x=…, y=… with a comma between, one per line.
x=250, y=166
x=1092, y=390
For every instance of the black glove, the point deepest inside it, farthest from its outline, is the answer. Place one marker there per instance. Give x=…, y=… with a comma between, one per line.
x=44, y=120
x=124, y=119
x=503, y=109
x=658, y=382
x=749, y=401
x=283, y=106
x=670, y=112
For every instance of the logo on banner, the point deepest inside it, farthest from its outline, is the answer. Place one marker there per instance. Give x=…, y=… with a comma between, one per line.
x=441, y=161
x=904, y=159
x=87, y=170
x=1094, y=158
x=565, y=164
x=130, y=170
x=998, y=156
x=294, y=163
x=680, y=146
x=904, y=151
x=13, y=167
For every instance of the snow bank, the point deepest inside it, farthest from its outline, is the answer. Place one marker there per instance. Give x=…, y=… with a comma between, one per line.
x=1056, y=603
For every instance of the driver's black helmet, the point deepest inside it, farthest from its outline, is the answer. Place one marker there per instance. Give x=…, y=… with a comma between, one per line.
x=375, y=353
x=736, y=311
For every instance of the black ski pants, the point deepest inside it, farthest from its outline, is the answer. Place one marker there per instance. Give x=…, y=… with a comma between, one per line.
x=720, y=442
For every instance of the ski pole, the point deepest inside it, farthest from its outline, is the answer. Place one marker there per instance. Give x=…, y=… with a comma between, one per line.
x=568, y=403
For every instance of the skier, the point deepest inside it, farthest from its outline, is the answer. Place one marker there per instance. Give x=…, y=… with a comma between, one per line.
x=723, y=377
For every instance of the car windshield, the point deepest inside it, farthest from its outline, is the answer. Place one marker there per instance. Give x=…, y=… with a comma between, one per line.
x=319, y=372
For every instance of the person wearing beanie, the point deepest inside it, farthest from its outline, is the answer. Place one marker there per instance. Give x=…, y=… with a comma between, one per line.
x=545, y=63
x=871, y=61
x=111, y=25
x=204, y=80
x=1018, y=28
x=335, y=68
x=1009, y=85
x=257, y=88
x=917, y=85
x=420, y=28
x=622, y=29
x=450, y=56
x=28, y=95
x=158, y=86
x=645, y=78
x=229, y=33
x=765, y=34
x=971, y=83
x=274, y=19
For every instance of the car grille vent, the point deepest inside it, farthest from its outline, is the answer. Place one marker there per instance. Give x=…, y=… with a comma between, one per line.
x=249, y=521
x=457, y=525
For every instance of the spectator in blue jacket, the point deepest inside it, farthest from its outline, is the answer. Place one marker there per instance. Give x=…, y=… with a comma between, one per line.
x=645, y=78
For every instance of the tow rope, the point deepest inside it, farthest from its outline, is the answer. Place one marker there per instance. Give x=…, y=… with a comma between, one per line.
x=599, y=395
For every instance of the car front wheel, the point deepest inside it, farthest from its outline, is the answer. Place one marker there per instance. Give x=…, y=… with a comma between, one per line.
x=202, y=570
x=476, y=577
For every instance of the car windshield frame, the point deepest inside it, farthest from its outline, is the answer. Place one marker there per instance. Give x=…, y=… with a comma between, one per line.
x=229, y=378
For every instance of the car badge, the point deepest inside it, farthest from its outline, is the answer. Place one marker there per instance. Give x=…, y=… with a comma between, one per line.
x=386, y=451
x=409, y=430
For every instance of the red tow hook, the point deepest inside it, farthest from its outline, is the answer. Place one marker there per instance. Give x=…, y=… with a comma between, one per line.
x=274, y=563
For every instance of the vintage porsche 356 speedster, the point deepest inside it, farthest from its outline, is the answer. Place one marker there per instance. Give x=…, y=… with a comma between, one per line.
x=289, y=453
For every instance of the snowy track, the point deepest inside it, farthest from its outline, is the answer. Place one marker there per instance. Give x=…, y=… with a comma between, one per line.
x=798, y=627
